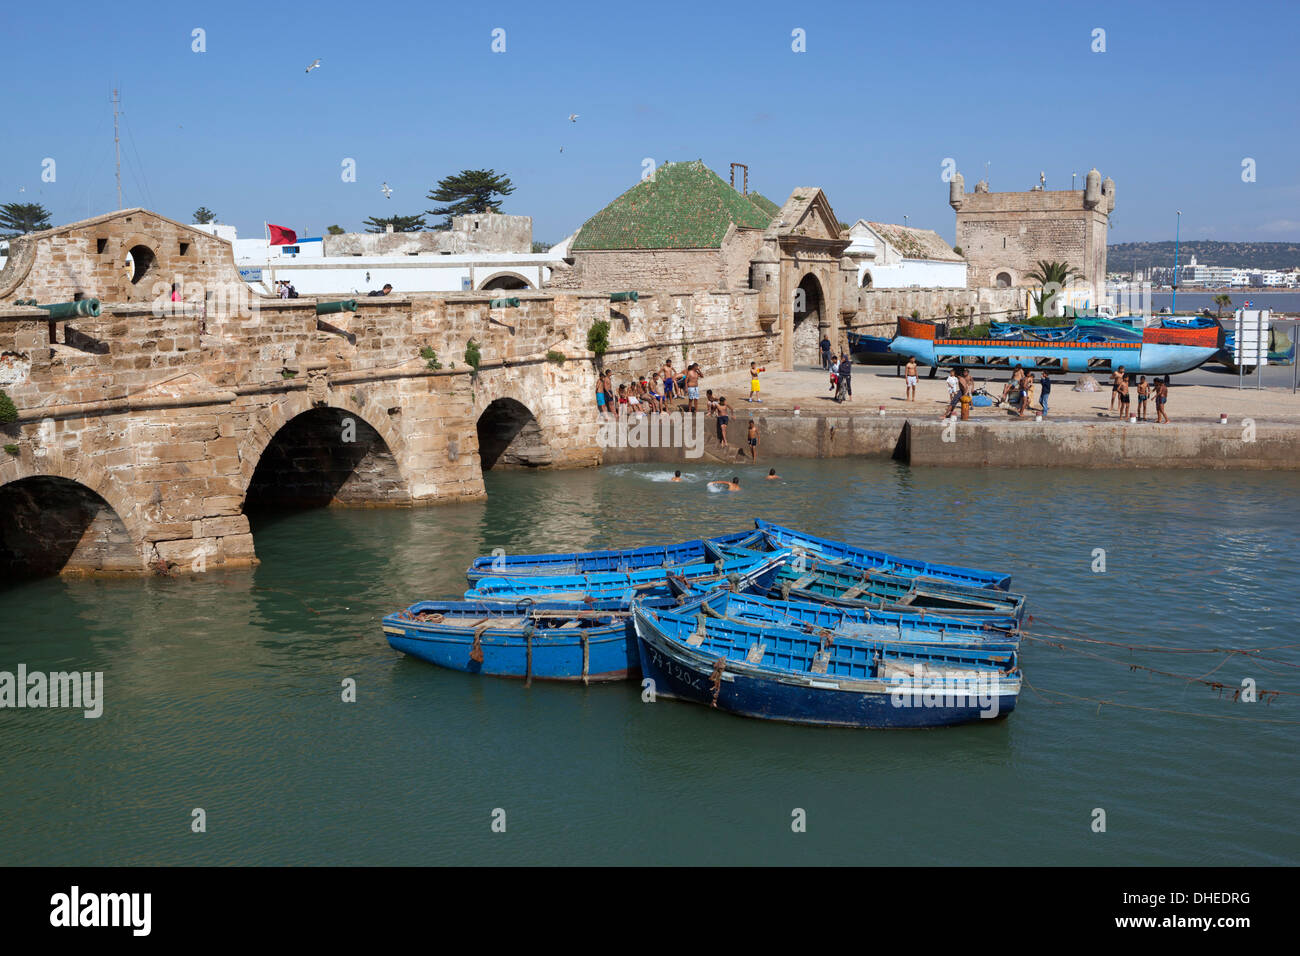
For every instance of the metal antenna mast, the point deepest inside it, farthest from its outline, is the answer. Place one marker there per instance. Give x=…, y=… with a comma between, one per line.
x=117, y=149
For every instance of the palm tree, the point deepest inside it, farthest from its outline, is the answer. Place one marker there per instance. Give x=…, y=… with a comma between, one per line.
x=1050, y=275
x=1222, y=300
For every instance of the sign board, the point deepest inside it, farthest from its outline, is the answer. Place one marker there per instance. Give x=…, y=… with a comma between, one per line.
x=1251, y=333
x=251, y=275
x=466, y=284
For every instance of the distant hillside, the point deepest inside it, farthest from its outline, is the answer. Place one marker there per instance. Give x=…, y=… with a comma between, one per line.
x=1245, y=255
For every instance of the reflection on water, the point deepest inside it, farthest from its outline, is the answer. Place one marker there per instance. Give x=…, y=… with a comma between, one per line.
x=224, y=691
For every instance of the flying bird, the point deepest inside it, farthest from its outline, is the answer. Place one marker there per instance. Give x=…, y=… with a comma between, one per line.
x=315, y=64
x=573, y=117
x=386, y=190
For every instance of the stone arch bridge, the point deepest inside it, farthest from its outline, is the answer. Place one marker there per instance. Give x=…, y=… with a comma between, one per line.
x=147, y=431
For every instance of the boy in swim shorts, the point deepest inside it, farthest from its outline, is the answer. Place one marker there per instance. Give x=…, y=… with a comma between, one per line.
x=910, y=372
x=754, y=387
x=753, y=441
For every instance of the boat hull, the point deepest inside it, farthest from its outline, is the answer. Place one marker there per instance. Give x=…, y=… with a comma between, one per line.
x=594, y=562
x=870, y=349
x=864, y=560
x=681, y=672
x=1146, y=358
x=554, y=654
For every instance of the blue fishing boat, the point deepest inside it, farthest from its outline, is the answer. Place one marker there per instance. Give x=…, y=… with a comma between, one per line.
x=590, y=562
x=766, y=535
x=851, y=623
x=880, y=590
x=1158, y=352
x=547, y=640
x=860, y=558
x=870, y=349
x=746, y=571
x=779, y=673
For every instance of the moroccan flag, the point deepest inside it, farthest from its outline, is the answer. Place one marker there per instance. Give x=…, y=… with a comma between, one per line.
x=280, y=236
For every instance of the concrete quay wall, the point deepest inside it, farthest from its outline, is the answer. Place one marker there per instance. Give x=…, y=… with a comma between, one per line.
x=978, y=444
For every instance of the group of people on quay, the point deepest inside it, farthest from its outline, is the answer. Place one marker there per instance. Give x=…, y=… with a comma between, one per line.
x=666, y=390
x=1018, y=392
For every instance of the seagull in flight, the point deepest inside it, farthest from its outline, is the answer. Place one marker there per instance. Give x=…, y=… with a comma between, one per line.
x=386, y=190
x=315, y=65
x=573, y=117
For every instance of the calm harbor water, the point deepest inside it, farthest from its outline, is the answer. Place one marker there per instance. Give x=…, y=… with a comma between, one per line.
x=224, y=692
x=1189, y=301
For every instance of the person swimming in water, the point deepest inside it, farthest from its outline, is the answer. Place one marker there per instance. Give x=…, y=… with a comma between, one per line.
x=677, y=476
x=732, y=485
x=772, y=475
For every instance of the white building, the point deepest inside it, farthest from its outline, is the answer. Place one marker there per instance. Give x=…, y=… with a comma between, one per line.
x=899, y=257
x=354, y=264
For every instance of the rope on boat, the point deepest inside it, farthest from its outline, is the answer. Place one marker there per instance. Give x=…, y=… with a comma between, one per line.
x=1099, y=701
x=1266, y=696
x=1251, y=652
x=586, y=657
x=476, y=649
x=715, y=679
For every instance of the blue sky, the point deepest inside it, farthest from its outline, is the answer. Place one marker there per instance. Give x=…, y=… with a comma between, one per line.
x=883, y=94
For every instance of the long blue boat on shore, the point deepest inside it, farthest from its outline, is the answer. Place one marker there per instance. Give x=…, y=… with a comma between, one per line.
x=1155, y=353
x=779, y=673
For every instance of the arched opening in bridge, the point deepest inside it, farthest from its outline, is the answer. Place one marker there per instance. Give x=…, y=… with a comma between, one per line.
x=809, y=307
x=325, y=456
x=1003, y=280
x=509, y=436
x=53, y=525
x=505, y=281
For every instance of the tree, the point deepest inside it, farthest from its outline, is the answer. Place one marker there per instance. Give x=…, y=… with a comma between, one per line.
x=21, y=217
x=336, y=230
x=204, y=215
x=1052, y=277
x=399, y=224
x=541, y=246
x=1222, y=300
x=469, y=191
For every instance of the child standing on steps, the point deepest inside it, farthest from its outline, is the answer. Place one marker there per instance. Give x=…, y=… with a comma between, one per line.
x=754, y=387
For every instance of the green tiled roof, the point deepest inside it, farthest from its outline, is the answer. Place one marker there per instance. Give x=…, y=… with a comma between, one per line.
x=769, y=208
x=685, y=206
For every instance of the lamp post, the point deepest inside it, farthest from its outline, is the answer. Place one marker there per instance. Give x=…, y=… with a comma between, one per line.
x=1173, y=309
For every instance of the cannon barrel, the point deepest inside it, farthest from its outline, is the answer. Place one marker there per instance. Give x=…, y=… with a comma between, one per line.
x=333, y=308
x=504, y=304
x=623, y=297
x=72, y=310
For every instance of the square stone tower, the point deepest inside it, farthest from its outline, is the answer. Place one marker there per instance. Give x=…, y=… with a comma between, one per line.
x=1003, y=235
